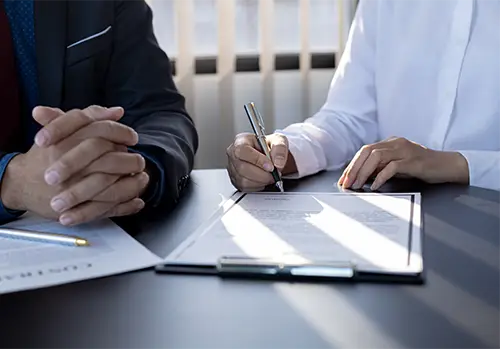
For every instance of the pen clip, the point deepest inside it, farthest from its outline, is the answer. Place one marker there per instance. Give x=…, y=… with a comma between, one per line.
x=256, y=119
x=260, y=120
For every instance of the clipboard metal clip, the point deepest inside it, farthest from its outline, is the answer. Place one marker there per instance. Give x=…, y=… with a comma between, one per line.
x=260, y=267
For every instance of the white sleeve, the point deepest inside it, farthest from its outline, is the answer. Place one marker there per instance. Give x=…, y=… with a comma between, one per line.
x=348, y=119
x=484, y=168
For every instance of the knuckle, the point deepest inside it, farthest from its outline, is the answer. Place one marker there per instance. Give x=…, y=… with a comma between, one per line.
x=239, y=166
x=242, y=136
x=72, y=197
x=93, y=110
x=376, y=154
x=393, y=166
x=95, y=144
x=111, y=194
x=244, y=183
x=239, y=151
x=79, y=217
x=401, y=141
x=108, y=126
x=229, y=150
x=366, y=149
x=65, y=165
x=81, y=116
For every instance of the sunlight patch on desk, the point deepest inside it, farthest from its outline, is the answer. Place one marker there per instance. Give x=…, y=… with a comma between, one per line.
x=460, y=308
x=337, y=321
x=474, y=247
x=479, y=204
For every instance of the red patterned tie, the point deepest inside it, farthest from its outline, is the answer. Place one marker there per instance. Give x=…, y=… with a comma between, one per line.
x=9, y=88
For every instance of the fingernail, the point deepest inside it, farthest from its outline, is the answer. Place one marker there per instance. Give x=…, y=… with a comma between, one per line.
x=66, y=220
x=144, y=179
x=42, y=138
x=58, y=205
x=356, y=185
x=268, y=167
x=52, y=177
x=115, y=109
x=136, y=138
x=279, y=161
x=140, y=205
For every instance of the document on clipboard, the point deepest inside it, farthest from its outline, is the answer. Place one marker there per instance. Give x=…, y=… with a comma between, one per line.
x=334, y=236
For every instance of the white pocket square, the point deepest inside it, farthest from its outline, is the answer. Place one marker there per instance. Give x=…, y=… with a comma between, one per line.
x=90, y=37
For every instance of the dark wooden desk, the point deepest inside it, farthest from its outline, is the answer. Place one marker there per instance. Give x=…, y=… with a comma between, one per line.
x=457, y=307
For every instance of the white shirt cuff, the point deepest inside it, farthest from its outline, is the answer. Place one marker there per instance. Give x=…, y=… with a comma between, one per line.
x=484, y=168
x=304, y=155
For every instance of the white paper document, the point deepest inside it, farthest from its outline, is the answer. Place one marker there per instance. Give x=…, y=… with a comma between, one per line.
x=27, y=265
x=375, y=232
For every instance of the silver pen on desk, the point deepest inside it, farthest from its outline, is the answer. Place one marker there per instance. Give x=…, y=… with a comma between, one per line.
x=257, y=124
x=36, y=236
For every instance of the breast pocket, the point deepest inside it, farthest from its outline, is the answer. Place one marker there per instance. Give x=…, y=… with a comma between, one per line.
x=89, y=46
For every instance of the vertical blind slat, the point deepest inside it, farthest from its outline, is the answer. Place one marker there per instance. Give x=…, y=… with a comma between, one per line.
x=226, y=66
x=184, y=10
x=305, y=57
x=266, y=38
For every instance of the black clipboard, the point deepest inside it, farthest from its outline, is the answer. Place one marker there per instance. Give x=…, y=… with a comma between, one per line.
x=240, y=267
x=248, y=268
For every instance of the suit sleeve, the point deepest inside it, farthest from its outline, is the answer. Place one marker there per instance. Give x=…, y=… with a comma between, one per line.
x=140, y=80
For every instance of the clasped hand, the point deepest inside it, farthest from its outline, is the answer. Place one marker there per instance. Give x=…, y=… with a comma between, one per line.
x=79, y=168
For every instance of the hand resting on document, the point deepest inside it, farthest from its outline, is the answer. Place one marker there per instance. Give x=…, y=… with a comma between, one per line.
x=399, y=157
x=79, y=168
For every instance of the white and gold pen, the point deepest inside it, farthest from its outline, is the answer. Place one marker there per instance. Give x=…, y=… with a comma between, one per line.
x=36, y=236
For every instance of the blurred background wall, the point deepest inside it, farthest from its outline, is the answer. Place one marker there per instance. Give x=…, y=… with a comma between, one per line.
x=281, y=54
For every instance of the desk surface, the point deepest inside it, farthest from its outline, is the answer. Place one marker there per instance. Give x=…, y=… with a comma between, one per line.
x=457, y=307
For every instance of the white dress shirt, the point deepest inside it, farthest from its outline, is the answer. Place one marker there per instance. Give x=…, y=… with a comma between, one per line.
x=425, y=70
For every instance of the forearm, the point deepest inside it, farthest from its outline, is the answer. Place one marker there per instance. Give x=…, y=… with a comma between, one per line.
x=327, y=141
x=453, y=167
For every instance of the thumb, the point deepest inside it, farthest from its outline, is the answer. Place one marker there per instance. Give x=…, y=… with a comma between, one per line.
x=279, y=150
x=45, y=115
x=99, y=113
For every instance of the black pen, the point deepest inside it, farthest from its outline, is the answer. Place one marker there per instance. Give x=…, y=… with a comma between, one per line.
x=257, y=124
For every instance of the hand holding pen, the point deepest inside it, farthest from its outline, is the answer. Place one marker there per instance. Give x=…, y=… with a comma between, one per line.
x=249, y=166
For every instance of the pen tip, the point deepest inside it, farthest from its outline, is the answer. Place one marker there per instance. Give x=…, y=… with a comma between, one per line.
x=280, y=186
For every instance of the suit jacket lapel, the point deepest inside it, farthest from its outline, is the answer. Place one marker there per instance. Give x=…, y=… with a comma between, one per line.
x=50, y=36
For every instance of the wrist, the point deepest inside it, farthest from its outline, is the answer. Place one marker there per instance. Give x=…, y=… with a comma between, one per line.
x=455, y=167
x=11, y=188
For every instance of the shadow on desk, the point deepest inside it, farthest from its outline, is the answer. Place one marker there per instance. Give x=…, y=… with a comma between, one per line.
x=461, y=256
